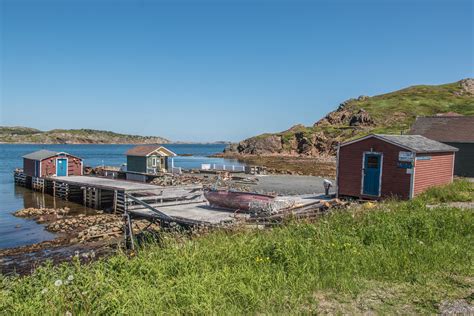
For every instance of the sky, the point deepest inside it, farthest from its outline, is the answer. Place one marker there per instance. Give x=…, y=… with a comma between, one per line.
x=218, y=70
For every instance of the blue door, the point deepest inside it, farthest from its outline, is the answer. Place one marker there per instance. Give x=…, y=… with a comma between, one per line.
x=372, y=166
x=61, y=167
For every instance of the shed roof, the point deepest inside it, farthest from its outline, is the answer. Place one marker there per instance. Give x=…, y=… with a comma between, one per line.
x=146, y=150
x=451, y=129
x=40, y=154
x=415, y=143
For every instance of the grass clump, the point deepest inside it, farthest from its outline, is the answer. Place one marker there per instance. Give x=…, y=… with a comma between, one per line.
x=410, y=256
x=459, y=191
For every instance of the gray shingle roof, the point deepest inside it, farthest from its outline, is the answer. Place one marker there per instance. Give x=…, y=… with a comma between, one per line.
x=449, y=129
x=417, y=143
x=40, y=154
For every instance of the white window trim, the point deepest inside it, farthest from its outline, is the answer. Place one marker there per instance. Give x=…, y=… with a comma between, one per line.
x=363, y=174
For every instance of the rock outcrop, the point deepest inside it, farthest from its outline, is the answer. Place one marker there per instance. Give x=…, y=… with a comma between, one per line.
x=260, y=145
x=467, y=86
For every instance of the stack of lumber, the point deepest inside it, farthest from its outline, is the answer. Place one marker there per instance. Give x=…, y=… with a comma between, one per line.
x=169, y=179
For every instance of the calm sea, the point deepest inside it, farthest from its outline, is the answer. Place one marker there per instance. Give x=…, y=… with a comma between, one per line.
x=16, y=231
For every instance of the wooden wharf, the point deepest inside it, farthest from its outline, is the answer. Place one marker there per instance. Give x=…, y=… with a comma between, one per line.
x=184, y=205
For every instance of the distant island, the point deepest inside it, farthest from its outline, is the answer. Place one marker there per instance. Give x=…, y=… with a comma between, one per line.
x=26, y=135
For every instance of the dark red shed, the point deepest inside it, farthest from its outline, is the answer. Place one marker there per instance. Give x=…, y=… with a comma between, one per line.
x=45, y=163
x=379, y=165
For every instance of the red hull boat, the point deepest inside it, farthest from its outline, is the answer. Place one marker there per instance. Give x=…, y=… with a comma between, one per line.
x=235, y=200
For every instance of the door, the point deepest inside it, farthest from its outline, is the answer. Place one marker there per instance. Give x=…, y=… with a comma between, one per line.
x=38, y=168
x=61, y=167
x=372, y=172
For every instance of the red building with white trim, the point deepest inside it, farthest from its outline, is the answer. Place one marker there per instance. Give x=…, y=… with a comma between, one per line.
x=46, y=163
x=378, y=166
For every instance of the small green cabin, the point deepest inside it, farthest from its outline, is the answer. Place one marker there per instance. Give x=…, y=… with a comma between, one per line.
x=151, y=159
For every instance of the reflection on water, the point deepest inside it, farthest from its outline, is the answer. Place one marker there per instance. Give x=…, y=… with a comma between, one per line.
x=16, y=231
x=36, y=199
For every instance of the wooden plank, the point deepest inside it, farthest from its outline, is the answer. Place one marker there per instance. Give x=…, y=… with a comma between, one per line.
x=182, y=202
x=167, y=197
x=161, y=214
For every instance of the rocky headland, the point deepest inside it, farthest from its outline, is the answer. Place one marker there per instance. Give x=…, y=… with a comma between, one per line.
x=387, y=113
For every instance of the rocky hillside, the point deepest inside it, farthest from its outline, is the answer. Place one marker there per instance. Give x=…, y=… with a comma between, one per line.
x=387, y=113
x=72, y=136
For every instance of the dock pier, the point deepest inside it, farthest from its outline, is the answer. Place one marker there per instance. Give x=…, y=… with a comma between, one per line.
x=111, y=194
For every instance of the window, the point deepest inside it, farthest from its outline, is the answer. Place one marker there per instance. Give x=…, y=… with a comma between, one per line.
x=372, y=162
x=153, y=162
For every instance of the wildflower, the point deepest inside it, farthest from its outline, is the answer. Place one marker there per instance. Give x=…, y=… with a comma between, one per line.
x=44, y=291
x=68, y=313
x=76, y=253
x=58, y=283
x=66, y=282
x=70, y=277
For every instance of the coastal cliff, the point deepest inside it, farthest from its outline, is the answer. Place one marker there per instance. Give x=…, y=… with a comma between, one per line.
x=28, y=135
x=387, y=113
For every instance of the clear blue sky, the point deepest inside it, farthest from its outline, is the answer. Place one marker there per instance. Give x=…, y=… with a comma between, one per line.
x=218, y=70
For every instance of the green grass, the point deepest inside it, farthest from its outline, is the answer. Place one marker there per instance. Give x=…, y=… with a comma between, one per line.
x=397, y=257
x=459, y=191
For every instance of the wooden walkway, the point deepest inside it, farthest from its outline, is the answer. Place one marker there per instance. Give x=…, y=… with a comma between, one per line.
x=189, y=214
x=105, y=183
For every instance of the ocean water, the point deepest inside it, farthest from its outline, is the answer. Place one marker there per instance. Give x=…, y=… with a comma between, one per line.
x=16, y=231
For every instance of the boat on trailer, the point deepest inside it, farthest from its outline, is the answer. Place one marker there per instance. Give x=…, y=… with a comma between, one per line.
x=236, y=200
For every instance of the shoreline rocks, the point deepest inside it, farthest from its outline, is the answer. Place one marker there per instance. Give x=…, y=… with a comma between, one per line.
x=38, y=212
x=81, y=228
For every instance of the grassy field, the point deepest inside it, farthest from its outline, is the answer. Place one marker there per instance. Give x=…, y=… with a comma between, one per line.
x=392, y=257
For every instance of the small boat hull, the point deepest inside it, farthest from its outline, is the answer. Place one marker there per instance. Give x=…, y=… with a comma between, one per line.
x=234, y=200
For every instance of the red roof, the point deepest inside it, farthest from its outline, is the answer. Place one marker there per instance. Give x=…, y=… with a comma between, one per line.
x=145, y=150
x=448, y=129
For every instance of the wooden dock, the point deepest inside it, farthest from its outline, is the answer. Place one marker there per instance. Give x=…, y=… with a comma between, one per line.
x=184, y=204
x=167, y=206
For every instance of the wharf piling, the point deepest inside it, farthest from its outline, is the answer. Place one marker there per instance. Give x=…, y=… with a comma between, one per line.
x=114, y=195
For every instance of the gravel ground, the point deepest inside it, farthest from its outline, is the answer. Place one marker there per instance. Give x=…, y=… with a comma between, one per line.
x=459, y=307
x=290, y=185
x=465, y=205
